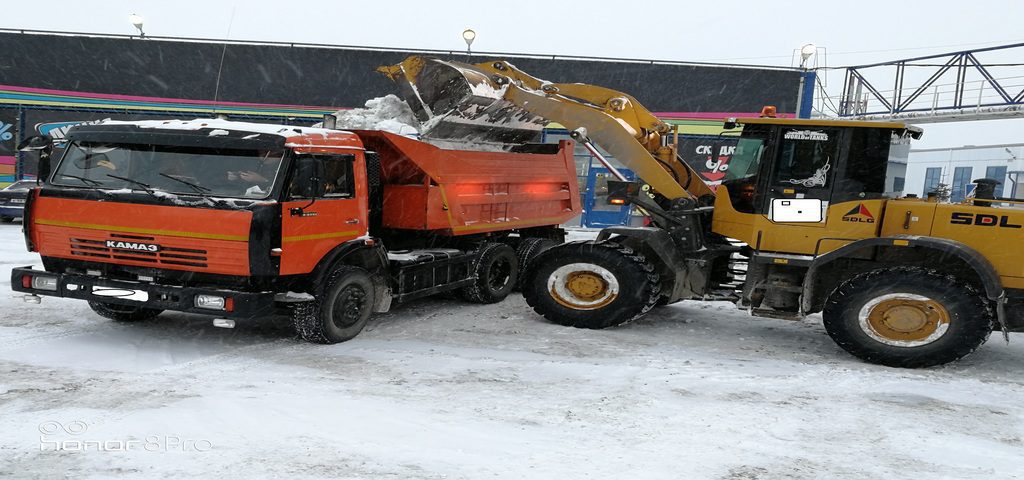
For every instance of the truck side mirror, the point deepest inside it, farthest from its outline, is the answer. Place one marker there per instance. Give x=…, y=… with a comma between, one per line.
x=35, y=143
x=309, y=175
x=41, y=146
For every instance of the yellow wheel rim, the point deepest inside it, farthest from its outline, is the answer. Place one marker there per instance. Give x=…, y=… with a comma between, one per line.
x=583, y=286
x=586, y=285
x=905, y=320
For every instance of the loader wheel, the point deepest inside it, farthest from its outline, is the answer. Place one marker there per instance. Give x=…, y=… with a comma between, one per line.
x=591, y=285
x=495, y=271
x=123, y=313
x=907, y=317
x=340, y=312
x=528, y=250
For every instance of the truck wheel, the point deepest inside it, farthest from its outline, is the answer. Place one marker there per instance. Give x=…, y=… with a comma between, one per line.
x=340, y=312
x=496, y=272
x=528, y=250
x=907, y=317
x=591, y=285
x=123, y=313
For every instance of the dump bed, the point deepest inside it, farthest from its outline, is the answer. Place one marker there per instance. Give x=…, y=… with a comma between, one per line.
x=459, y=192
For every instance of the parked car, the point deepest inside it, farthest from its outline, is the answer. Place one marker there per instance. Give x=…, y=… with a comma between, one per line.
x=12, y=200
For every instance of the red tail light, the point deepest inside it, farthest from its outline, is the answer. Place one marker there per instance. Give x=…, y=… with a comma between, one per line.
x=26, y=281
x=229, y=304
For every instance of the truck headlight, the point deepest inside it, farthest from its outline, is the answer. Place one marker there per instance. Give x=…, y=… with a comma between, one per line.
x=210, y=302
x=44, y=283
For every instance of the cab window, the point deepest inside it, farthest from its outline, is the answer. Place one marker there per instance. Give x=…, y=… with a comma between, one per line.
x=807, y=157
x=742, y=175
x=337, y=177
x=746, y=159
x=863, y=175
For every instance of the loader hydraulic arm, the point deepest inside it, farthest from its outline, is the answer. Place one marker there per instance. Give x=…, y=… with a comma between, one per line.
x=451, y=98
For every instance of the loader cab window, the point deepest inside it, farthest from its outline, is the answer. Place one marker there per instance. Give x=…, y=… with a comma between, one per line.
x=864, y=169
x=742, y=176
x=807, y=158
x=338, y=177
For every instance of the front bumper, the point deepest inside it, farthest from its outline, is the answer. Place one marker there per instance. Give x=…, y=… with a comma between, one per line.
x=162, y=297
x=11, y=211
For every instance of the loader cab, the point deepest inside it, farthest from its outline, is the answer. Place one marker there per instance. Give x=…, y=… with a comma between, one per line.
x=795, y=185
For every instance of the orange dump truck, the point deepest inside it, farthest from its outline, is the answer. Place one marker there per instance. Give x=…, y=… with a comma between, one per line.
x=241, y=220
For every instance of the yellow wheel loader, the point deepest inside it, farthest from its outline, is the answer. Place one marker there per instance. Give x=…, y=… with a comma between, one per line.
x=802, y=222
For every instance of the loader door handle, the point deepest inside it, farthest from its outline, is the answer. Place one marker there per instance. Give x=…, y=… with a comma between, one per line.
x=352, y=221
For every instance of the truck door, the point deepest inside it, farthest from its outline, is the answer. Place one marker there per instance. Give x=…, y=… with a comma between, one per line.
x=312, y=227
x=804, y=167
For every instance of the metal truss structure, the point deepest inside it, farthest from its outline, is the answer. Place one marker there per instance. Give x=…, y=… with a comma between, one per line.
x=974, y=84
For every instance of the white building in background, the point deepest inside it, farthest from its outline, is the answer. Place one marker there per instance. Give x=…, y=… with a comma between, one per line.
x=958, y=167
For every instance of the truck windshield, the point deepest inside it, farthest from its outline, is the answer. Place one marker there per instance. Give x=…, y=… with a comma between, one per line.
x=170, y=169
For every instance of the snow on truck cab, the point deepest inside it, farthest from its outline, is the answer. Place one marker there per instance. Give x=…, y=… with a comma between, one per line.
x=242, y=220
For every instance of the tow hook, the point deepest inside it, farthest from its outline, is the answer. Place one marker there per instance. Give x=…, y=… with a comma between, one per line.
x=223, y=323
x=32, y=298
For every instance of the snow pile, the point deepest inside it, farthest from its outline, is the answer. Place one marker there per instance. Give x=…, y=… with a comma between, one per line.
x=388, y=113
x=221, y=126
x=392, y=114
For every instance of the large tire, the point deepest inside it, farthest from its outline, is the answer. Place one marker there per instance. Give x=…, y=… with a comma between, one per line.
x=907, y=317
x=495, y=273
x=340, y=311
x=528, y=250
x=123, y=313
x=591, y=285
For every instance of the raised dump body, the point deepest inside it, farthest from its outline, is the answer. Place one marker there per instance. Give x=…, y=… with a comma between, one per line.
x=462, y=192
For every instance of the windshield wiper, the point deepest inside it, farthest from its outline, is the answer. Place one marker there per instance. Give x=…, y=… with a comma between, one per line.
x=145, y=186
x=87, y=181
x=92, y=184
x=201, y=190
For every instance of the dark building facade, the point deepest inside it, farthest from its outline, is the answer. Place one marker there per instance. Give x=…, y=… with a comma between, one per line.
x=51, y=81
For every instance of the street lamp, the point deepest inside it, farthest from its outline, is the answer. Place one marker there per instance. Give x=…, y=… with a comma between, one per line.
x=806, y=52
x=469, y=35
x=136, y=20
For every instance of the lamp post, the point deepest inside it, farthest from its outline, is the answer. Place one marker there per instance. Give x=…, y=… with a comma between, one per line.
x=469, y=35
x=806, y=52
x=137, y=20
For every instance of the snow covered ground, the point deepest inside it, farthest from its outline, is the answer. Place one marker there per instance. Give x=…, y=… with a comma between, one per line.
x=443, y=389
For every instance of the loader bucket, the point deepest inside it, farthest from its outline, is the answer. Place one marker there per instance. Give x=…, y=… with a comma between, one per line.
x=459, y=102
